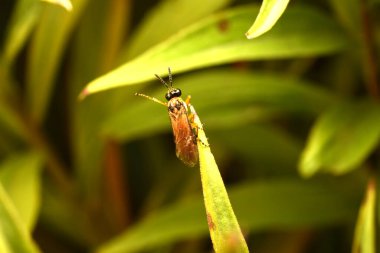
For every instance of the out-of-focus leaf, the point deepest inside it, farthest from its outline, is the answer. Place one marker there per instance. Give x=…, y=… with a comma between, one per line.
x=224, y=228
x=270, y=12
x=257, y=144
x=349, y=14
x=66, y=4
x=23, y=20
x=277, y=204
x=48, y=44
x=365, y=235
x=342, y=138
x=218, y=40
x=227, y=98
x=59, y=212
x=10, y=123
x=170, y=16
x=13, y=234
x=20, y=176
x=104, y=27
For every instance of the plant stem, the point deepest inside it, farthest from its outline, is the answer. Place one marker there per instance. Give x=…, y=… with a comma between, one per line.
x=37, y=139
x=369, y=58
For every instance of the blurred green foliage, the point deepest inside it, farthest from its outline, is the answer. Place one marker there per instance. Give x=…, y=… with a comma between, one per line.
x=293, y=119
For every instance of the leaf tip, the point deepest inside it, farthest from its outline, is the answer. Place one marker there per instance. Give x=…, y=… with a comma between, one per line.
x=85, y=92
x=250, y=35
x=66, y=4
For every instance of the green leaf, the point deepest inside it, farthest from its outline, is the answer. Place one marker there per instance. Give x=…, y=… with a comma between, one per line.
x=59, y=212
x=171, y=16
x=13, y=234
x=270, y=12
x=86, y=62
x=22, y=22
x=224, y=228
x=11, y=127
x=10, y=123
x=263, y=205
x=349, y=15
x=342, y=138
x=66, y=4
x=256, y=145
x=218, y=40
x=224, y=98
x=365, y=235
x=48, y=44
x=20, y=176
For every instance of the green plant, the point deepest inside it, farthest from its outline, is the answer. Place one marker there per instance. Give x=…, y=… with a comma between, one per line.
x=292, y=116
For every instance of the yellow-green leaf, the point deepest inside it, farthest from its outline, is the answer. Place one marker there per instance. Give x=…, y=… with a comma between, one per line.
x=334, y=202
x=45, y=54
x=342, y=138
x=224, y=228
x=20, y=176
x=66, y=4
x=23, y=20
x=218, y=40
x=270, y=12
x=224, y=97
x=13, y=233
x=156, y=26
x=365, y=235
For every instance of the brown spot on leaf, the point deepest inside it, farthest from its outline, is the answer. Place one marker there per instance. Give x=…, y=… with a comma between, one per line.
x=223, y=25
x=210, y=223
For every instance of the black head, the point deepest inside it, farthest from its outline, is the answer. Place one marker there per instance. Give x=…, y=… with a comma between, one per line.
x=172, y=93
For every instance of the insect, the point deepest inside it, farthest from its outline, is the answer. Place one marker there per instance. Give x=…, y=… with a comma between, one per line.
x=181, y=114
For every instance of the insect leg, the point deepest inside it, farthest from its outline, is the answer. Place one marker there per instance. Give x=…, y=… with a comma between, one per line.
x=187, y=101
x=194, y=126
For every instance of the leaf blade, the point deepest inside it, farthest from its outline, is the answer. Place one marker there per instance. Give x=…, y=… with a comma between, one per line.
x=223, y=225
x=20, y=176
x=270, y=12
x=193, y=49
x=341, y=138
x=13, y=235
x=331, y=204
x=245, y=97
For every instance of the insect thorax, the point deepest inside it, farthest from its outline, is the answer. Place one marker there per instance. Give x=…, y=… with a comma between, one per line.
x=177, y=105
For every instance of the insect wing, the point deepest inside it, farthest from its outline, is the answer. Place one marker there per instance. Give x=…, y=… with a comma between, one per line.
x=184, y=137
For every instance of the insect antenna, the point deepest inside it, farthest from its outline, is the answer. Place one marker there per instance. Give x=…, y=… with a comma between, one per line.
x=170, y=77
x=151, y=98
x=162, y=81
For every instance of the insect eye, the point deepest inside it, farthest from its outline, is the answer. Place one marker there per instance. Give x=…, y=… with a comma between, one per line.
x=176, y=93
x=173, y=93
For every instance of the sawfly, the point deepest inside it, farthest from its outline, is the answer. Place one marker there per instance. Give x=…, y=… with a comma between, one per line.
x=181, y=114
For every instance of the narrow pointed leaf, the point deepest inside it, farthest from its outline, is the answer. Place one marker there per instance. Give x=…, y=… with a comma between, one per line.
x=342, y=138
x=219, y=39
x=45, y=54
x=223, y=225
x=66, y=4
x=13, y=234
x=270, y=12
x=365, y=235
x=20, y=176
x=223, y=98
x=149, y=32
x=331, y=204
x=23, y=20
